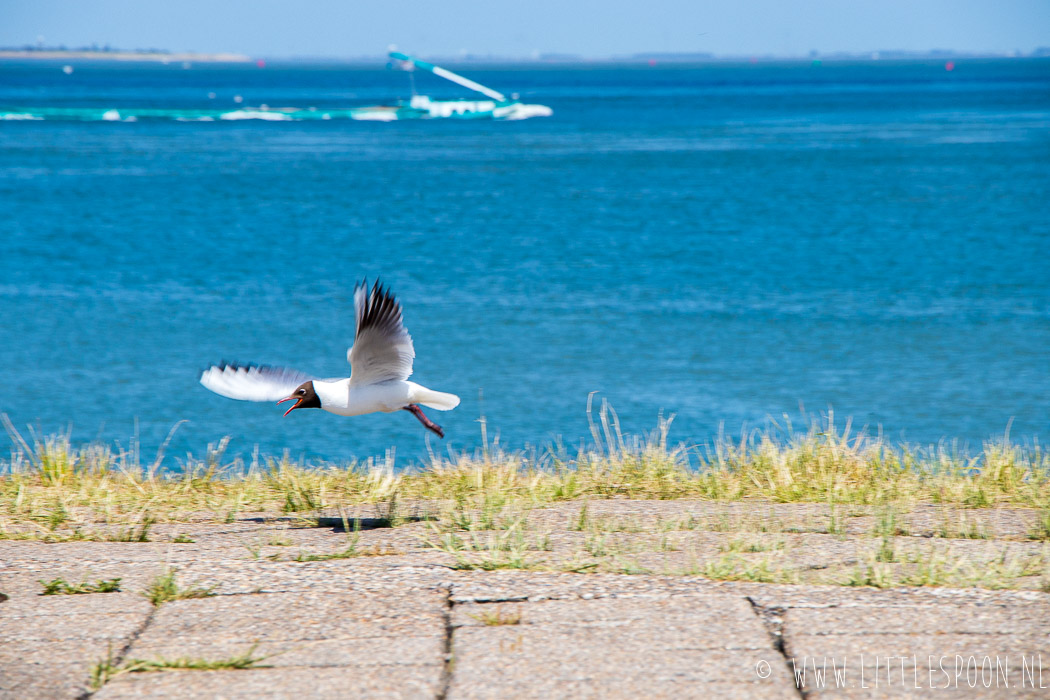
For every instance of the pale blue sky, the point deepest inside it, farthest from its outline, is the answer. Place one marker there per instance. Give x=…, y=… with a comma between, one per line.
x=593, y=28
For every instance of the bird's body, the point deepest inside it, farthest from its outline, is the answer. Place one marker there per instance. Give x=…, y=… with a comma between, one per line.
x=342, y=398
x=380, y=359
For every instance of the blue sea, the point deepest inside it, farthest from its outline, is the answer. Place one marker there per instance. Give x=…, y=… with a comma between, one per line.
x=727, y=243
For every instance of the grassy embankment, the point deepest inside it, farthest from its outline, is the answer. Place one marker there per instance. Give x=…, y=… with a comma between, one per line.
x=51, y=490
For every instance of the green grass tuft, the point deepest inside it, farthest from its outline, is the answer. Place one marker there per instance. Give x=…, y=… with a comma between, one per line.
x=106, y=669
x=164, y=589
x=349, y=553
x=60, y=586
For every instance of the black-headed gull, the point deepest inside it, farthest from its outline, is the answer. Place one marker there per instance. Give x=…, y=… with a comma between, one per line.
x=380, y=365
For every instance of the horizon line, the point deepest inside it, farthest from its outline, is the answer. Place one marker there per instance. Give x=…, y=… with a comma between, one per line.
x=36, y=51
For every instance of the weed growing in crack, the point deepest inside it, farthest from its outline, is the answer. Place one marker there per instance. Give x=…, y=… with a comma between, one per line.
x=106, y=670
x=595, y=546
x=164, y=589
x=730, y=567
x=488, y=551
x=60, y=586
x=930, y=571
x=575, y=566
x=581, y=519
x=351, y=551
x=667, y=544
x=887, y=551
x=888, y=523
x=498, y=617
x=139, y=533
x=872, y=575
x=1041, y=529
x=630, y=568
x=835, y=524
x=753, y=545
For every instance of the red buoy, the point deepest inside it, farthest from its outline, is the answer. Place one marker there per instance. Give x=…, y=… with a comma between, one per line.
x=261, y=63
x=950, y=65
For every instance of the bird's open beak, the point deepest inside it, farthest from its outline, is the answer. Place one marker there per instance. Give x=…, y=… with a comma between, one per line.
x=291, y=398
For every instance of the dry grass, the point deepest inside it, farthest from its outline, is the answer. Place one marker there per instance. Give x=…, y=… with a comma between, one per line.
x=498, y=617
x=940, y=567
x=49, y=485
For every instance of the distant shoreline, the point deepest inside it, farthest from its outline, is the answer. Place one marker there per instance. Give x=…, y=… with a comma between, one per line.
x=642, y=59
x=157, y=57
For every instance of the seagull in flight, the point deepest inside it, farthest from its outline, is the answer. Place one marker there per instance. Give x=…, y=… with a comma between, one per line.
x=380, y=365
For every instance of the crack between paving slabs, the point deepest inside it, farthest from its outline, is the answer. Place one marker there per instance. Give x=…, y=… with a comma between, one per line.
x=122, y=654
x=487, y=601
x=446, y=670
x=772, y=619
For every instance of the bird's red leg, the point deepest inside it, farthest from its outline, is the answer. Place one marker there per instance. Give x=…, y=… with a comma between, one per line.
x=429, y=424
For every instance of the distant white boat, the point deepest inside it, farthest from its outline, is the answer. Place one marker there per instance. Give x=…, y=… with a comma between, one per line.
x=498, y=106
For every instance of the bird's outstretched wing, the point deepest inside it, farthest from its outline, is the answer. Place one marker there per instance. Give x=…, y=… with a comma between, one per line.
x=382, y=347
x=252, y=382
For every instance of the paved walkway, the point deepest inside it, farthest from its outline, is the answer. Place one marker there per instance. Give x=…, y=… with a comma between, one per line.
x=400, y=622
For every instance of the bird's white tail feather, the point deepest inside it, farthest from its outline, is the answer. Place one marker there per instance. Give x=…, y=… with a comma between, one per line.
x=435, y=399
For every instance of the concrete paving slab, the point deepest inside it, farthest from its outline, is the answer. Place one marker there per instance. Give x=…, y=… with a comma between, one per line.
x=298, y=616
x=1007, y=620
x=536, y=661
x=912, y=648
x=922, y=645
x=49, y=643
x=336, y=576
x=614, y=647
x=46, y=680
x=52, y=628
x=795, y=596
x=407, y=682
x=688, y=622
x=36, y=605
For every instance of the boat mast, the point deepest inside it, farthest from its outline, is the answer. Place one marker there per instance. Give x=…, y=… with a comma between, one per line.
x=449, y=75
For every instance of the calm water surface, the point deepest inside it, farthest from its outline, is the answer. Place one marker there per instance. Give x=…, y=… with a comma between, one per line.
x=721, y=242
